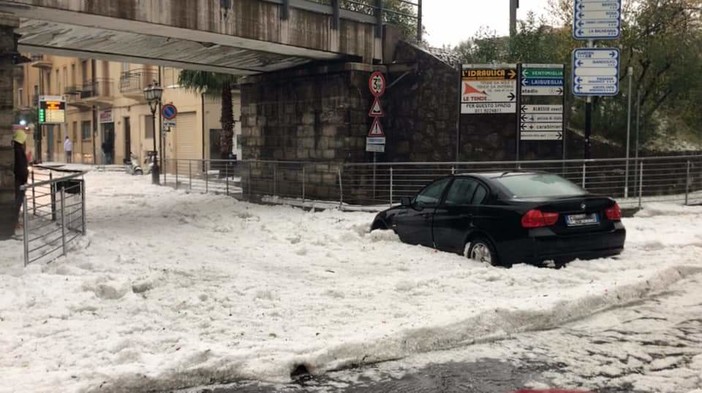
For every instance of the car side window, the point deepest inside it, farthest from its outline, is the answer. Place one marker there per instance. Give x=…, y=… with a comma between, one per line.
x=431, y=195
x=480, y=195
x=461, y=191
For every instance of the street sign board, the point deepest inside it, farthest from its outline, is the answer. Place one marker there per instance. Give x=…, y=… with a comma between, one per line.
x=376, y=129
x=489, y=89
x=542, y=80
x=376, y=110
x=376, y=84
x=542, y=108
x=542, y=118
x=596, y=71
x=597, y=19
x=542, y=135
x=375, y=144
x=52, y=110
x=169, y=111
x=541, y=126
x=169, y=123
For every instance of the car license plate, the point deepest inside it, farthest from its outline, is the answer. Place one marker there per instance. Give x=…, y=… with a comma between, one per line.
x=573, y=220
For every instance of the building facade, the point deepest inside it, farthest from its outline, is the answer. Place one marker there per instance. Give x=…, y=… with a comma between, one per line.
x=107, y=116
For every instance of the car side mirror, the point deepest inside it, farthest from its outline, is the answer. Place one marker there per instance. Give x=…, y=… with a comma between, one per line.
x=405, y=201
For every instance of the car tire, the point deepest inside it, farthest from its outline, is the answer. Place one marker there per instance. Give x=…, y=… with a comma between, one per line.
x=138, y=172
x=481, y=250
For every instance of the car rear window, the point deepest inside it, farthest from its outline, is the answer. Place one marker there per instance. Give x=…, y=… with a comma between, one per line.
x=539, y=185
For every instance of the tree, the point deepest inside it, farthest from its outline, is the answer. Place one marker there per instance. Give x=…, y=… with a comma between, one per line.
x=213, y=84
x=400, y=13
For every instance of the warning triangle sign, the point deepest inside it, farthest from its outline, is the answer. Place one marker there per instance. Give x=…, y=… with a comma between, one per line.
x=376, y=110
x=376, y=129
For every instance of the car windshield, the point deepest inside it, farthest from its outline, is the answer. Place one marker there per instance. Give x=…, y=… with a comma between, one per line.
x=539, y=185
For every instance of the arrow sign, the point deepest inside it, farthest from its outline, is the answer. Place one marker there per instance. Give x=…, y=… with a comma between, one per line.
x=542, y=82
x=541, y=126
x=542, y=91
x=596, y=80
x=541, y=135
x=533, y=73
x=598, y=6
x=600, y=19
x=542, y=118
x=542, y=108
x=596, y=72
x=511, y=96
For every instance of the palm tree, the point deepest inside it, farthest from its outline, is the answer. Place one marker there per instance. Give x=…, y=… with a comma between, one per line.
x=213, y=85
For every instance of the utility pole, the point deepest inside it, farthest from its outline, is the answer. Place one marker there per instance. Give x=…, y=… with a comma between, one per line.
x=513, y=5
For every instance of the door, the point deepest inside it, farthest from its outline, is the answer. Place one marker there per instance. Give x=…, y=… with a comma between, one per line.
x=458, y=213
x=413, y=223
x=453, y=218
x=108, y=142
x=127, y=136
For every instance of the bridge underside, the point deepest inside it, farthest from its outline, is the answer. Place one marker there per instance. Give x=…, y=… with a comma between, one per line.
x=251, y=38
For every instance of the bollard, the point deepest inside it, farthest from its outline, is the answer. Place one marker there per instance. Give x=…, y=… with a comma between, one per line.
x=341, y=189
x=584, y=172
x=640, y=183
x=25, y=230
x=303, y=184
x=190, y=175
x=82, y=207
x=687, y=183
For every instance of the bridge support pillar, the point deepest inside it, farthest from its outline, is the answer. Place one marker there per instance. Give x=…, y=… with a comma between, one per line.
x=8, y=218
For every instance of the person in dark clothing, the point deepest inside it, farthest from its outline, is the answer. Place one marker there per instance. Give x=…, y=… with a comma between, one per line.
x=21, y=169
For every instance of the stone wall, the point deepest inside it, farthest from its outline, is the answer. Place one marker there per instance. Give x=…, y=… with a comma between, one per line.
x=421, y=107
x=314, y=115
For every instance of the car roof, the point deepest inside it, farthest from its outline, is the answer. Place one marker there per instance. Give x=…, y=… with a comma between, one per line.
x=496, y=174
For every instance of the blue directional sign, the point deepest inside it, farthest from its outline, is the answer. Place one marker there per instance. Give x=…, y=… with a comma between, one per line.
x=597, y=19
x=596, y=72
x=542, y=79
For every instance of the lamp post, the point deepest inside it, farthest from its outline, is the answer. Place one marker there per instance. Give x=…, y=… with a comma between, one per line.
x=153, y=94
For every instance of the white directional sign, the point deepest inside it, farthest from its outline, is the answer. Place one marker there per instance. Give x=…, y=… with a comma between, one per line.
x=542, y=108
x=597, y=19
x=542, y=91
x=542, y=126
x=542, y=135
x=489, y=89
x=596, y=71
x=543, y=118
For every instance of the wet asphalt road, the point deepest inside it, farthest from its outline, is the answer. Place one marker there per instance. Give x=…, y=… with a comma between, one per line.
x=645, y=347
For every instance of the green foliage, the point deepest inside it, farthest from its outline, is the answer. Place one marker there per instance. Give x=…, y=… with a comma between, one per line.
x=215, y=85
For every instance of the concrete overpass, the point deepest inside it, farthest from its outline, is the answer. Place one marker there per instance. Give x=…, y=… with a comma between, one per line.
x=241, y=37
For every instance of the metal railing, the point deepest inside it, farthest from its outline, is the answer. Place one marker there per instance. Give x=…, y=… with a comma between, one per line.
x=133, y=82
x=650, y=179
x=53, y=213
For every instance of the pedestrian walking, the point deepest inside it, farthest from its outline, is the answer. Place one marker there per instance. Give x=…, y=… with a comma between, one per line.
x=68, y=148
x=19, y=140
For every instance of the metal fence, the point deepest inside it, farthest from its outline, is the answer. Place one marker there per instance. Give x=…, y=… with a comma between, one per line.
x=632, y=182
x=53, y=213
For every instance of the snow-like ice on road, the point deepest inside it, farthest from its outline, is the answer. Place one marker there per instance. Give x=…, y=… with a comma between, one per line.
x=171, y=290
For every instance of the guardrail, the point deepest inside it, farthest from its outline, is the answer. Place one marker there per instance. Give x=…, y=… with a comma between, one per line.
x=53, y=213
x=632, y=183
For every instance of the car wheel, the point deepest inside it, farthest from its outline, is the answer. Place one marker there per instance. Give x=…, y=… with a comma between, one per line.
x=138, y=172
x=481, y=250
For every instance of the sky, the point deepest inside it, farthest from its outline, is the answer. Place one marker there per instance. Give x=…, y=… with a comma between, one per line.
x=448, y=22
x=171, y=290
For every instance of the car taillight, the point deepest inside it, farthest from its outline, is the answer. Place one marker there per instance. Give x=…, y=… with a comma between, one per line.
x=536, y=218
x=614, y=213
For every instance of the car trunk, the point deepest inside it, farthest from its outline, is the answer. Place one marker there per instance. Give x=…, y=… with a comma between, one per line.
x=579, y=214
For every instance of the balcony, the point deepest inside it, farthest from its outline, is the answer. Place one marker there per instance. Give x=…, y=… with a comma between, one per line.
x=133, y=82
x=91, y=92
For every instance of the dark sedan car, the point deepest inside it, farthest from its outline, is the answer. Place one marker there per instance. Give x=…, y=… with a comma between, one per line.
x=504, y=218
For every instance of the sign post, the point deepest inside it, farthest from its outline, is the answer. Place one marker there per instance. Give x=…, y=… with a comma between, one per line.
x=595, y=20
x=52, y=110
x=488, y=90
x=541, y=116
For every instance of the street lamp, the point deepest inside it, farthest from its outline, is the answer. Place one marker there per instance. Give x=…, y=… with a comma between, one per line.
x=153, y=94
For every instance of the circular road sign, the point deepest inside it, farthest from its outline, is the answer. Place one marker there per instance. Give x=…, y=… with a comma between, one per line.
x=169, y=111
x=376, y=84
